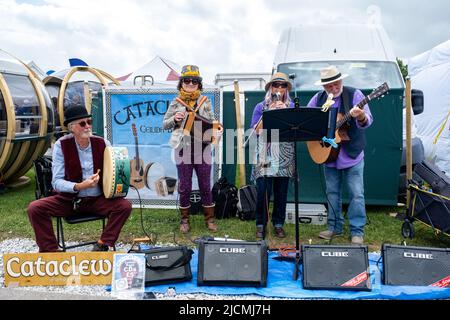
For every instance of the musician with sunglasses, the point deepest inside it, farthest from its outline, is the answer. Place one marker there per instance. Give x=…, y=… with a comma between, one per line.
x=274, y=161
x=77, y=164
x=191, y=154
x=348, y=167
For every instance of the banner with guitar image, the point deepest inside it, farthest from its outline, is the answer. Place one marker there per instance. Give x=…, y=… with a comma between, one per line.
x=133, y=119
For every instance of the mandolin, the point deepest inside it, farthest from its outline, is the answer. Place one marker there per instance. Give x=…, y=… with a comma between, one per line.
x=136, y=165
x=323, y=152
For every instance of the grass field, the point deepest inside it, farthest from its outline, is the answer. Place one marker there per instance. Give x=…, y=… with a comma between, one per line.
x=382, y=226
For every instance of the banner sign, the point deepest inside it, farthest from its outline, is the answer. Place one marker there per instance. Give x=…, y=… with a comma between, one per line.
x=58, y=269
x=134, y=119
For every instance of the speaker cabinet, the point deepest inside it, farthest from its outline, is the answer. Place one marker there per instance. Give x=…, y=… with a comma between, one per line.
x=416, y=266
x=232, y=263
x=336, y=267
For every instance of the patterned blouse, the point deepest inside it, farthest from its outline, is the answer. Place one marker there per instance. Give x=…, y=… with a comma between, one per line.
x=275, y=159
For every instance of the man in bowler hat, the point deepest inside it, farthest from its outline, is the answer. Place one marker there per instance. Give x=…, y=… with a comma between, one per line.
x=77, y=182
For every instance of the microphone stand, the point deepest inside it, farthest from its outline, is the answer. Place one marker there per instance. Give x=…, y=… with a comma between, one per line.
x=296, y=99
x=251, y=133
x=297, y=233
x=275, y=97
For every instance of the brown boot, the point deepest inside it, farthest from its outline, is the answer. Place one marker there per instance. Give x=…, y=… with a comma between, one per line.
x=184, y=223
x=209, y=218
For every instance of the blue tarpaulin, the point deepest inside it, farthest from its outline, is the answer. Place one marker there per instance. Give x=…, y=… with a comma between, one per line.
x=280, y=284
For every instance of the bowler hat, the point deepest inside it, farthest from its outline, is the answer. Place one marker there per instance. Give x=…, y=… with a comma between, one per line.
x=75, y=113
x=279, y=77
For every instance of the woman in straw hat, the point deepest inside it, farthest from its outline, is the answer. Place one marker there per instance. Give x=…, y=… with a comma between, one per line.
x=349, y=165
x=191, y=154
x=274, y=161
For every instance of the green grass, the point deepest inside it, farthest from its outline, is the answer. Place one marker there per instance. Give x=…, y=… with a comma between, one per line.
x=382, y=227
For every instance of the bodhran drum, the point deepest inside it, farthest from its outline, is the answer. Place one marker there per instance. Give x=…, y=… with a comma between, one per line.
x=116, y=172
x=153, y=172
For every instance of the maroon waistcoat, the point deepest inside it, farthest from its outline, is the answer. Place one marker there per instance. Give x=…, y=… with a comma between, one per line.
x=72, y=164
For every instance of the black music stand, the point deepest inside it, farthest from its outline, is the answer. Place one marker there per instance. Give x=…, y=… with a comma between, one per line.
x=297, y=124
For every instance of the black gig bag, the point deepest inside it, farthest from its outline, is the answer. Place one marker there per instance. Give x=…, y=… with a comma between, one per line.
x=43, y=172
x=246, y=206
x=167, y=265
x=225, y=197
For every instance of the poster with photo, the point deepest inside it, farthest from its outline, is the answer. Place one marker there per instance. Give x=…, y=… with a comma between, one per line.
x=128, y=280
x=134, y=119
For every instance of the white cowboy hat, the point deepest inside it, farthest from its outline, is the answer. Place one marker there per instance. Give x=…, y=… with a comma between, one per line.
x=329, y=75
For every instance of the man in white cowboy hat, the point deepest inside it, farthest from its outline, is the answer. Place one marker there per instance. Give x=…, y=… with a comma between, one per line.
x=349, y=165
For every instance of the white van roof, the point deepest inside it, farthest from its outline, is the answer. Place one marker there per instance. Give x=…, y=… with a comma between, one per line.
x=324, y=42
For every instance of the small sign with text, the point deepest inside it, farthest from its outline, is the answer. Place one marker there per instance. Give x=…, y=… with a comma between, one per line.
x=58, y=268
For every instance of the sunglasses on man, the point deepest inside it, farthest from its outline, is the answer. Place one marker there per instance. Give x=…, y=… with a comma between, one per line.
x=83, y=123
x=279, y=85
x=191, y=80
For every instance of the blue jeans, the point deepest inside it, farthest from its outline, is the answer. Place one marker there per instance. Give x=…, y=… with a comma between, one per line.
x=353, y=177
x=264, y=187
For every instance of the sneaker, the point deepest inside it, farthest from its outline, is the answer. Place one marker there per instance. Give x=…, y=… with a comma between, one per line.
x=259, y=232
x=328, y=234
x=100, y=247
x=357, y=240
x=279, y=232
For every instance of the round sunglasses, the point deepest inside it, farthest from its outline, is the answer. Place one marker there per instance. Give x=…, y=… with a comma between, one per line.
x=85, y=122
x=191, y=80
x=279, y=84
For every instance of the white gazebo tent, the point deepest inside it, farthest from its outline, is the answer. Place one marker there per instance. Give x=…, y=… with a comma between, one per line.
x=158, y=71
x=430, y=72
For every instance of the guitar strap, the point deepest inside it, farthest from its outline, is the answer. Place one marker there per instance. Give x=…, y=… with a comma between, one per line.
x=196, y=106
x=346, y=100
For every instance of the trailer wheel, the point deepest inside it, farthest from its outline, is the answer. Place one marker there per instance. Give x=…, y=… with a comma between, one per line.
x=408, y=230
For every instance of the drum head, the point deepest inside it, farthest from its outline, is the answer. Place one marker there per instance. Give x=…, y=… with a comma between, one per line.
x=108, y=175
x=116, y=172
x=153, y=172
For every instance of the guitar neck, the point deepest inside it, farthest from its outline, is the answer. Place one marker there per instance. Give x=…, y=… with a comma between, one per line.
x=347, y=116
x=137, y=150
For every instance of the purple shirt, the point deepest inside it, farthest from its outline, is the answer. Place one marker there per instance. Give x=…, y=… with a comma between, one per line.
x=279, y=155
x=343, y=160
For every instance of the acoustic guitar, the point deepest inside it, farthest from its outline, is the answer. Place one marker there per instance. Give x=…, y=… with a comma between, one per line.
x=324, y=152
x=136, y=165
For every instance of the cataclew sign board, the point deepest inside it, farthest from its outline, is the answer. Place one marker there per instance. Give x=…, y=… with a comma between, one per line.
x=58, y=269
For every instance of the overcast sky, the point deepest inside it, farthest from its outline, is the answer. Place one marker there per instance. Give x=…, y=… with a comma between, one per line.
x=119, y=36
